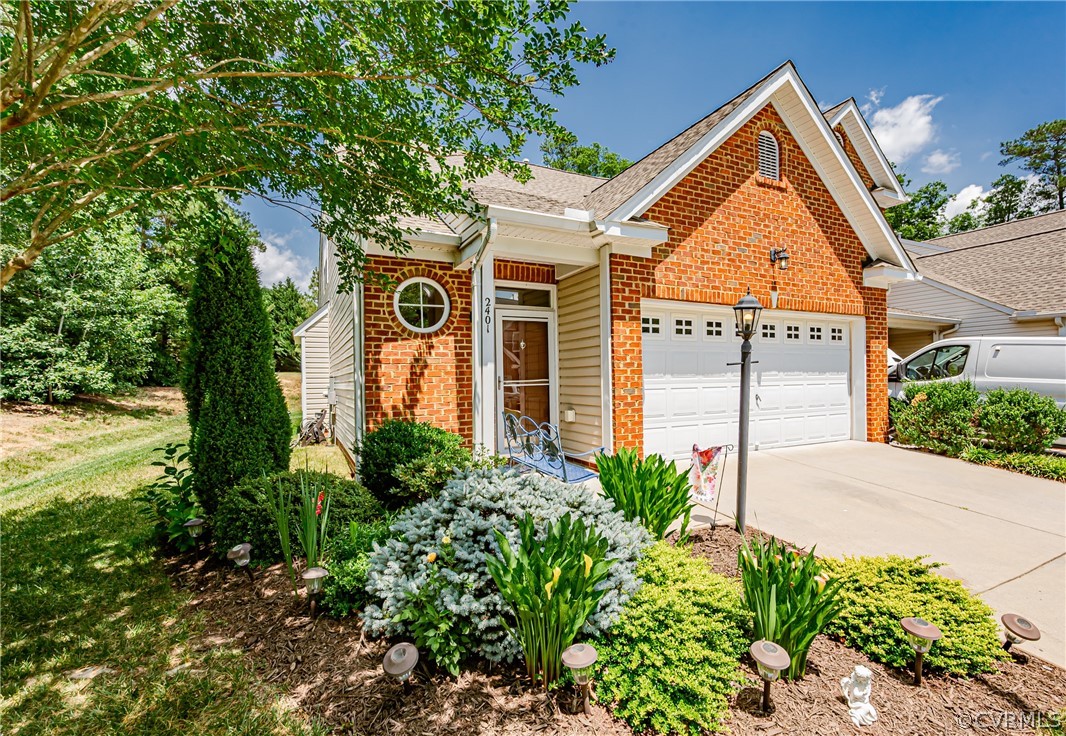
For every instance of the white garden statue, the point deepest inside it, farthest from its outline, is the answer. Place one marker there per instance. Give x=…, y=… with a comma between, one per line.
x=856, y=691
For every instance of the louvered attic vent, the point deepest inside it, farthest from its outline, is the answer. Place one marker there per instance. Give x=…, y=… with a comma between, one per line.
x=769, y=156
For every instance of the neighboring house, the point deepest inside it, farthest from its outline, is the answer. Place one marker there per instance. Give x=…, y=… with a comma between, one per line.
x=313, y=336
x=606, y=305
x=1005, y=280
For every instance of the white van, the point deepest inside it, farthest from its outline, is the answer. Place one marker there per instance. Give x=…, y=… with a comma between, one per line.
x=1034, y=363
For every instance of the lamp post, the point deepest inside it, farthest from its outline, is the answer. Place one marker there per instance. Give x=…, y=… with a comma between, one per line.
x=920, y=635
x=746, y=311
x=579, y=658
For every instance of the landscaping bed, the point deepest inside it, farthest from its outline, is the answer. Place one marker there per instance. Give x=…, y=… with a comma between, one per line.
x=943, y=705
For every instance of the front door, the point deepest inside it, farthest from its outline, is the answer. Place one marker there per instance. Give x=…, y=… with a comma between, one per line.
x=525, y=383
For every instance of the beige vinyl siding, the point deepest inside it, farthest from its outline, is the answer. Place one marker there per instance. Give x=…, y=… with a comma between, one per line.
x=314, y=367
x=905, y=342
x=342, y=359
x=977, y=319
x=580, y=361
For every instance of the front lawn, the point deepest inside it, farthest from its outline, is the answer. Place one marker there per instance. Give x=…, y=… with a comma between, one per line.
x=84, y=592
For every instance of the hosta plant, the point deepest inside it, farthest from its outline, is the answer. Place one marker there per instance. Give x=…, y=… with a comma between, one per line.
x=435, y=559
x=551, y=585
x=651, y=491
x=790, y=598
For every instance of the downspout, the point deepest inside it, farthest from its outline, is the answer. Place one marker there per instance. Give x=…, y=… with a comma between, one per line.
x=477, y=289
x=1060, y=322
x=944, y=335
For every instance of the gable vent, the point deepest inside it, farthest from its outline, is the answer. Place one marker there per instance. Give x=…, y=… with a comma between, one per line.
x=769, y=156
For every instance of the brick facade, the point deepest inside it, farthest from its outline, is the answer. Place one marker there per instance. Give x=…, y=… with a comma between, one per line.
x=853, y=156
x=424, y=377
x=533, y=273
x=724, y=219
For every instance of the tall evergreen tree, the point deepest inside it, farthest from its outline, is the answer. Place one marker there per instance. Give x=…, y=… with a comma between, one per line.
x=287, y=307
x=237, y=414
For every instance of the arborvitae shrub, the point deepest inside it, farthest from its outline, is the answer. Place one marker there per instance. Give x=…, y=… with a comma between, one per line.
x=237, y=413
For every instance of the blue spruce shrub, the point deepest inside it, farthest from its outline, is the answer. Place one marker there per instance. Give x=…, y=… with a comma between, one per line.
x=431, y=576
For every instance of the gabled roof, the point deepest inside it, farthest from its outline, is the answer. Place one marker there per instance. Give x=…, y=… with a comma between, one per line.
x=611, y=194
x=848, y=115
x=1020, y=265
x=303, y=327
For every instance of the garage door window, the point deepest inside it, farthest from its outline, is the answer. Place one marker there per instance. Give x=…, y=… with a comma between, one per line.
x=792, y=332
x=714, y=329
x=650, y=325
x=836, y=334
x=815, y=333
x=683, y=327
x=768, y=332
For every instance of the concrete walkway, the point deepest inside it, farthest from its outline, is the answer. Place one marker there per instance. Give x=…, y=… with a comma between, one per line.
x=1003, y=534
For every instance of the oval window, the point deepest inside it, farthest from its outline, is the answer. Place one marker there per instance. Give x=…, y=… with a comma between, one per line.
x=421, y=305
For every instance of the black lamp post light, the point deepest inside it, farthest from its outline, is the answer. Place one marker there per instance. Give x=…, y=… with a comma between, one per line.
x=400, y=662
x=771, y=660
x=314, y=579
x=746, y=311
x=920, y=635
x=579, y=659
x=1018, y=630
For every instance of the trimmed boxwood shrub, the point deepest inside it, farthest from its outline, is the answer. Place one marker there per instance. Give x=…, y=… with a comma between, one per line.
x=878, y=591
x=1018, y=420
x=939, y=416
x=403, y=462
x=672, y=660
x=243, y=514
x=349, y=563
x=430, y=578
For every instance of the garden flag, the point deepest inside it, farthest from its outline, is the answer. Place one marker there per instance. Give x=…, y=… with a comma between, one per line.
x=706, y=466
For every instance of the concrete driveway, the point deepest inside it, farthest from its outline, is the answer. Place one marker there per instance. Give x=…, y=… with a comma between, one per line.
x=1001, y=533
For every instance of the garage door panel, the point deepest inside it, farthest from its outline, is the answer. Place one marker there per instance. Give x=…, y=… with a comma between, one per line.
x=800, y=386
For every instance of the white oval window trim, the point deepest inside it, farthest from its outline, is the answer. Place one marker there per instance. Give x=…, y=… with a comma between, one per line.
x=436, y=287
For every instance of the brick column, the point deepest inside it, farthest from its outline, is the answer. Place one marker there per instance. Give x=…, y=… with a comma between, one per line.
x=627, y=359
x=876, y=364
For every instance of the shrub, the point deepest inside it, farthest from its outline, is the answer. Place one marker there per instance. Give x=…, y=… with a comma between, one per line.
x=876, y=592
x=551, y=585
x=169, y=502
x=1052, y=467
x=791, y=601
x=404, y=462
x=244, y=515
x=939, y=416
x=1020, y=421
x=650, y=491
x=349, y=562
x=436, y=561
x=237, y=414
x=672, y=660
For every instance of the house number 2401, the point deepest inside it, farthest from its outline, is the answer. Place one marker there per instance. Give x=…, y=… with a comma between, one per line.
x=488, y=314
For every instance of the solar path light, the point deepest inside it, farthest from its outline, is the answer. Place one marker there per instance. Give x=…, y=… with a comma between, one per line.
x=579, y=659
x=771, y=660
x=920, y=635
x=400, y=662
x=1018, y=630
x=314, y=580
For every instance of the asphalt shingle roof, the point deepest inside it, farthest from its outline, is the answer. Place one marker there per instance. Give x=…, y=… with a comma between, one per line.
x=1021, y=264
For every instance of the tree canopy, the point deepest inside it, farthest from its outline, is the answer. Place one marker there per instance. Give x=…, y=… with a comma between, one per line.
x=921, y=218
x=562, y=151
x=356, y=108
x=287, y=307
x=1042, y=151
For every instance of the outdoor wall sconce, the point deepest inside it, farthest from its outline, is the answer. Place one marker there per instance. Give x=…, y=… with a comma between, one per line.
x=780, y=257
x=1018, y=630
x=400, y=662
x=241, y=556
x=920, y=635
x=579, y=658
x=746, y=312
x=771, y=660
x=314, y=578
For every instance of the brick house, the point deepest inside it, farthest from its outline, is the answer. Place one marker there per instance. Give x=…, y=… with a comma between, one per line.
x=605, y=305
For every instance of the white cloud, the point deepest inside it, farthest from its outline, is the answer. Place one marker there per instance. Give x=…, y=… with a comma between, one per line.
x=987, y=155
x=277, y=261
x=961, y=201
x=905, y=129
x=941, y=162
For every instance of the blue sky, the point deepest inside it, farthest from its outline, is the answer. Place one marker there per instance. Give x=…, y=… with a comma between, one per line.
x=942, y=84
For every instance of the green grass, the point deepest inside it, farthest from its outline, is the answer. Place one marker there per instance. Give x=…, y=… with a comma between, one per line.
x=82, y=586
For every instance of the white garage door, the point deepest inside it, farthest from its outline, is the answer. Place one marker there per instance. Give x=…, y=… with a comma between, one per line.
x=800, y=388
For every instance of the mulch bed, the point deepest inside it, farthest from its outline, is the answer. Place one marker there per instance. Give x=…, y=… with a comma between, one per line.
x=946, y=705
x=332, y=672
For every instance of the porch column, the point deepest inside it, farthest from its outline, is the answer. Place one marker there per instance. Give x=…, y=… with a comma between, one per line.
x=484, y=334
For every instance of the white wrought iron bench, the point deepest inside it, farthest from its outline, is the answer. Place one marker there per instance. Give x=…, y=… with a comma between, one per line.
x=538, y=447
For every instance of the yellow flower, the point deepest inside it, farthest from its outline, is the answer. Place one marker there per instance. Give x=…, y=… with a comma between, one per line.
x=555, y=576
x=548, y=589
x=431, y=557
x=446, y=540
x=588, y=564
x=821, y=583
